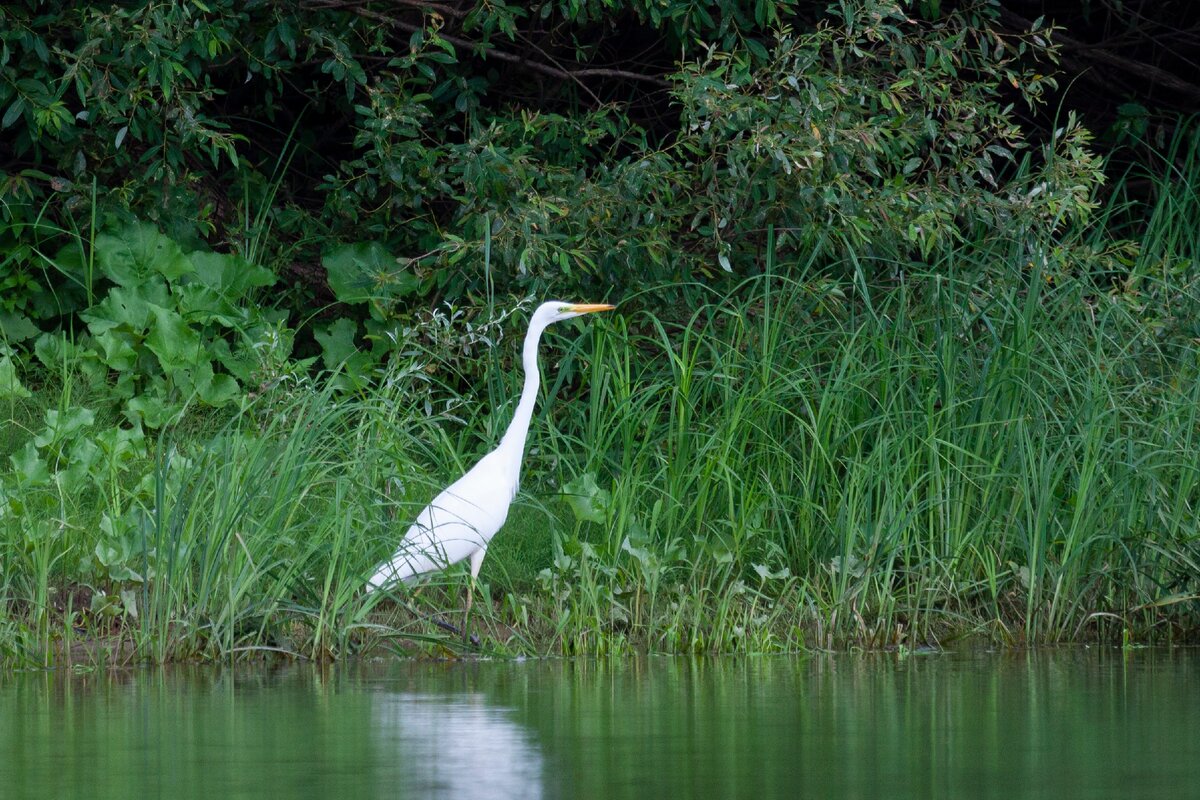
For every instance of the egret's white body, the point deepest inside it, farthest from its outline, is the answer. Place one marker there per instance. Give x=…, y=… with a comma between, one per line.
x=461, y=521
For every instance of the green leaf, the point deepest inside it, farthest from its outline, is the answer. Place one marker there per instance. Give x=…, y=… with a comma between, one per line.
x=152, y=411
x=109, y=553
x=767, y=574
x=366, y=271
x=53, y=350
x=13, y=113
x=63, y=425
x=337, y=342
x=231, y=276
x=220, y=390
x=126, y=306
x=287, y=36
x=10, y=384
x=57, y=352
x=16, y=327
x=29, y=466
x=121, y=445
x=138, y=250
x=173, y=341
x=588, y=501
x=120, y=349
x=212, y=389
x=84, y=455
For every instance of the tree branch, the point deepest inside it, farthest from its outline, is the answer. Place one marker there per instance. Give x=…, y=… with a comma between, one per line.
x=1097, y=53
x=417, y=5
x=481, y=50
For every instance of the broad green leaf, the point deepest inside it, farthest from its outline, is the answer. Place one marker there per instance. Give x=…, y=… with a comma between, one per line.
x=126, y=306
x=173, y=340
x=365, y=271
x=115, y=529
x=203, y=304
x=120, y=349
x=129, y=596
x=124, y=387
x=231, y=276
x=637, y=544
x=588, y=501
x=385, y=335
x=84, y=455
x=117, y=549
x=61, y=426
x=29, y=466
x=108, y=553
x=53, y=350
x=137, y=251
x=152, y=411
x=337, y=342
x=121, y=445
x=767, y=574
x=221, y=390
x=242, y=363
x=212, y=389
x=71, y=261
x=16, y=327
x=356, y=371
x=56, y=352
x=10, y=384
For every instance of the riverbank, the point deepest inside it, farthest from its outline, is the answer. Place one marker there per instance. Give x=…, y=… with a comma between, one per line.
x=775, y=470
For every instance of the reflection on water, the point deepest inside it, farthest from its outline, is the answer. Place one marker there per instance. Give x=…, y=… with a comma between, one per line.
x=1080, y=723
x=456, y=746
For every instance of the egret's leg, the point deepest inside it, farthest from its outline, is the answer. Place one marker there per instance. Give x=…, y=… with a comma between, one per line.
x=476, y=563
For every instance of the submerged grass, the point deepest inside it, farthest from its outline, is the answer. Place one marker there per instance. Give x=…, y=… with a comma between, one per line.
x=776, y=468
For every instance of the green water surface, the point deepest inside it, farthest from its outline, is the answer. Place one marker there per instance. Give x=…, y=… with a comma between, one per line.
x=1083, y=723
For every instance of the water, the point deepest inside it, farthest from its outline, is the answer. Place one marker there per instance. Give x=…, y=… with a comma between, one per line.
x=1073, y=724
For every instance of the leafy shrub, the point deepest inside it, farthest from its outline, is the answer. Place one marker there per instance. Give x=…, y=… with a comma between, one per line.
x=428, y=132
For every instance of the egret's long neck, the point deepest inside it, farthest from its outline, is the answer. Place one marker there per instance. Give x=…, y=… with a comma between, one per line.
x=513, y=443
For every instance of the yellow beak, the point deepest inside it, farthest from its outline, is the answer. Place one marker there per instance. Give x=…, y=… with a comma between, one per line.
x=588, y=308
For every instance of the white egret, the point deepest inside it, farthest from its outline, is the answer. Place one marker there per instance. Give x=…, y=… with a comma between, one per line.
x=461, y=521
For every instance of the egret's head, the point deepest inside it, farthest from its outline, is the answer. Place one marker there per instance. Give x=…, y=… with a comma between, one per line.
x=556, y=310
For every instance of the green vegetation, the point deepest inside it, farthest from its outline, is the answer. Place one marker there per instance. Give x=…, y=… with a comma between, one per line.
x=888, y=370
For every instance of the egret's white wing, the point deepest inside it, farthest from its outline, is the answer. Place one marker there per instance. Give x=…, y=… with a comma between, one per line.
x=459, y=521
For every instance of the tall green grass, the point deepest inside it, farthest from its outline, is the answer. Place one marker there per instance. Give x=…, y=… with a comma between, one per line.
x=780, y=468
x=945, y=456
x=252, y=535
x=1009, y=464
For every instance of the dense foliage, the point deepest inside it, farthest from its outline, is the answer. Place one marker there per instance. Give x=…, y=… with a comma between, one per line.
x=273, y=130
x=228, y=216
x=432, y=152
